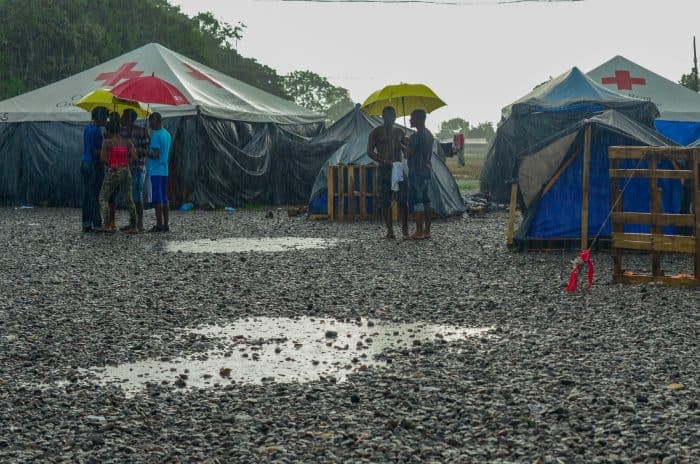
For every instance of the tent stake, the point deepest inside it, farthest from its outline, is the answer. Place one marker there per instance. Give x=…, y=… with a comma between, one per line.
x=584, y=187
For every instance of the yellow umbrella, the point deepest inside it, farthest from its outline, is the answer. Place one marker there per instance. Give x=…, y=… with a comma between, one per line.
x=404, y=98
x=102, y=97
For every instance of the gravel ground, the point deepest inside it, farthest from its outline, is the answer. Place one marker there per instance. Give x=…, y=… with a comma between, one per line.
x=608, y=375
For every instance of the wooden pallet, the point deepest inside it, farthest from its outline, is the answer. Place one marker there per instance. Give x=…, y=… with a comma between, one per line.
x=656, y=242
x=353, y=193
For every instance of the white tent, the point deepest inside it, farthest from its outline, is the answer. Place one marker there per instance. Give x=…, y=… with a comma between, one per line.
x=211, y=92
x=233, y=143
x=679, y=106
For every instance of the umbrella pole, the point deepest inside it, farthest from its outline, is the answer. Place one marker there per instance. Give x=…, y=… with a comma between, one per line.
x=403, y=110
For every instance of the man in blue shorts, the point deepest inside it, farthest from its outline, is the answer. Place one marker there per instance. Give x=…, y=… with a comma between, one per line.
x=157, y=160
x=418, y=151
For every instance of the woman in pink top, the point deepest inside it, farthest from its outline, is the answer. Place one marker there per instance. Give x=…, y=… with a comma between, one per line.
x=117, y=151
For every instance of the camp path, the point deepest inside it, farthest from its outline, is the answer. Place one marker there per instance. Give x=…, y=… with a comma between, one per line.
x=602, y=376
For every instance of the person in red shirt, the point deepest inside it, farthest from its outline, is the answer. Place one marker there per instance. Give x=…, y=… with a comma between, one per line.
x=117, y=152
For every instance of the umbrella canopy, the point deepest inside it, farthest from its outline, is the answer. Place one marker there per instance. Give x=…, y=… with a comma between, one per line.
x=103, y=97
x=151, y=90
x=405, y=98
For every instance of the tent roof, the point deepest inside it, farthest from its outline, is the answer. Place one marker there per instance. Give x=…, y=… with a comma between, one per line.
x=571, y=90
x=675, y=102
x=213, y=93
x=537, y=164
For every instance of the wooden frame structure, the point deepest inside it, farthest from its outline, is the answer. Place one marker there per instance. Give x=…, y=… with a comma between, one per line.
x=655, y=242
x=353, y=193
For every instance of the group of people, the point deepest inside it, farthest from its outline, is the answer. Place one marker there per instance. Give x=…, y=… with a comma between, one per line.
x=388, y=146
x=118, y=160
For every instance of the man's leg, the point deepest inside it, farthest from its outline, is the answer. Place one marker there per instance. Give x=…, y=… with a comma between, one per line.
x=137, y=194
x=415, y=199
x=96, y=182
x=426, y=208
x=86, y=178
x=125, y=184
x=166, y=204
x=388, y=220
x=385, y=200
x=403, y=208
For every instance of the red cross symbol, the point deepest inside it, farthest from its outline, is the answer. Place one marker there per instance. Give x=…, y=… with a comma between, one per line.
x=200, y=76
x=124, y=72
x=624, y=80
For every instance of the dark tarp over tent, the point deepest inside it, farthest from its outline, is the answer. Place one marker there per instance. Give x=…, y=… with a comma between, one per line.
x=549, y=177
x=349, y=136
x=679, y=106
x=234, y=143
x=550, y=108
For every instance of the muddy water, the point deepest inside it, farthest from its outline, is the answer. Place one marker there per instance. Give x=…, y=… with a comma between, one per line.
x=242, y=245
x=267, y=349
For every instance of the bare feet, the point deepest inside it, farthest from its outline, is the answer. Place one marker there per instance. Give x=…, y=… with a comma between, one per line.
x=417, y=236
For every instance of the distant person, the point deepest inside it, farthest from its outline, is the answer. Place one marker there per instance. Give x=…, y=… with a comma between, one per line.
x=384, y=147
x=91, y=170
x=157, y=160
x=418, y=151
x=140, y=139
x=117, y=152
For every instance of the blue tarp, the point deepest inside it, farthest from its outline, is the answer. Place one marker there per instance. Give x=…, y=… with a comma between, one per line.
x=557, y=213
x=682, y=132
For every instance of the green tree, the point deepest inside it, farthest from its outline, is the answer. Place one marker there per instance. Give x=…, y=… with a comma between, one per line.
x=226, y=34
x=42, y=41
x=483, y=130
x=314, y=92
x=690, y=81
x=452, y=126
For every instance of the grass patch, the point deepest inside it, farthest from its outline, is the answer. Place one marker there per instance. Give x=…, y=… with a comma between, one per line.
x=471, y=169
x=467, y=184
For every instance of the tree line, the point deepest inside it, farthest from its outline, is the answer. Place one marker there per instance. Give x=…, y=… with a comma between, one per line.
x=42, y=41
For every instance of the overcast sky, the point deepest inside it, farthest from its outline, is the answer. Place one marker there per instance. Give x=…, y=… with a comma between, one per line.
x=478, y=55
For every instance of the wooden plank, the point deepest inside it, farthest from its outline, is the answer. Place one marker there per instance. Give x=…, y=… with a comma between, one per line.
x=318, y=217
x=651, y=242
x=330, y=186
x=363, y=192
x=351, y=193
x=629, y=278
x=677, y=153
x=511, y=214
x=341, y=193
x=617, y=227
x=655, y=210
x=657, y=174
x=585, y=183
x=687, y=220
x=695, y=189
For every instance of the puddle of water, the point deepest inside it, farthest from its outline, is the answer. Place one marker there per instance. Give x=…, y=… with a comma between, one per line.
x=241, y=245
x=282, y=350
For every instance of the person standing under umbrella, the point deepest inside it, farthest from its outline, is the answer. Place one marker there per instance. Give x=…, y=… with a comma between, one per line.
x=139, y=137
x=116, y=153
x=91, y=170
x=418, y=151
x=157, y=169
x=384, y=147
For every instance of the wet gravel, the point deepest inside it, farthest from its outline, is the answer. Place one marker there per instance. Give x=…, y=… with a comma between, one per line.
x=608, y=375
